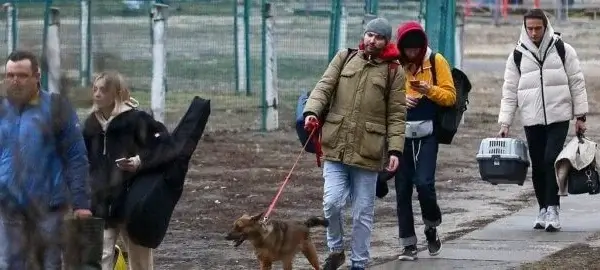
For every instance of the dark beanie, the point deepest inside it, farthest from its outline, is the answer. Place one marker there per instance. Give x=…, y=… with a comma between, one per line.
x=413, y=39
x=381, y=27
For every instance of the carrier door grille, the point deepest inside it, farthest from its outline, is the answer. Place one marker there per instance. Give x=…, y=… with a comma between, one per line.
x=497, y=148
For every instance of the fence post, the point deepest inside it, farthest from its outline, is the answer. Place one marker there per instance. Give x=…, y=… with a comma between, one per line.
x=247, y=46
x=343, y=33
x=372, y=7
x=241, y=43
x=12, y=33
x=334, y=27
x=159, y=61
x=53, y=52
x=85, y=26
x=44, y=66
x=270, y=115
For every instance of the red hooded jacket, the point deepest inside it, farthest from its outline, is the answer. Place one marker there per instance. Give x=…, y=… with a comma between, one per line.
x=403, y=29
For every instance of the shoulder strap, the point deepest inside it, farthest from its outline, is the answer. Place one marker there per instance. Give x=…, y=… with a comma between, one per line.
x=517, y=55
x=432, y=63
x=560, y=48
x=351, y=53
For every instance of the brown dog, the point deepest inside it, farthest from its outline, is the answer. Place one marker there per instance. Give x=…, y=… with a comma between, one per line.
x=277, y=240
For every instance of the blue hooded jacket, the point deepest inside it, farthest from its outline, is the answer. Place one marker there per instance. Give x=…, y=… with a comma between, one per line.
x=42, y=163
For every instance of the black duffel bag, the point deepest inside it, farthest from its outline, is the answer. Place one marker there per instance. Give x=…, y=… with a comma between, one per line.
x=585, y=180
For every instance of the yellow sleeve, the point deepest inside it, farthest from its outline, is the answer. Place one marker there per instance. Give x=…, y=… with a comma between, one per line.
x=444, y=93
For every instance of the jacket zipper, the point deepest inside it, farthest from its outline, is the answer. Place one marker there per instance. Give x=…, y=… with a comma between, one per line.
x=543, y=98
x=343, y=153
x=541, y=64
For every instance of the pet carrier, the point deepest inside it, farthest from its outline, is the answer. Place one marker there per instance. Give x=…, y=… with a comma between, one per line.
x=503, y=161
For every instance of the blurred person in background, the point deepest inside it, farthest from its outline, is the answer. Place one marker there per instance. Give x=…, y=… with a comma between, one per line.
x=43, y=168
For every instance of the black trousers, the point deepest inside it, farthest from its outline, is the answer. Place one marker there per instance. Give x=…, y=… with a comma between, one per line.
x=418, y=170
x=545, y=143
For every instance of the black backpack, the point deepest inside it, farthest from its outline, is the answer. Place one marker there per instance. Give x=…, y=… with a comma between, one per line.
x=560, y=48
x=448, y=118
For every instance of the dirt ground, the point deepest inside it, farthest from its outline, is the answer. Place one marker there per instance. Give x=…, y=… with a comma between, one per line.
x=233, y=173
x=577, y=256
x=239, y=172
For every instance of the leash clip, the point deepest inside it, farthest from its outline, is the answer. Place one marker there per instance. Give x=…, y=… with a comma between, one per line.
x=264, y=220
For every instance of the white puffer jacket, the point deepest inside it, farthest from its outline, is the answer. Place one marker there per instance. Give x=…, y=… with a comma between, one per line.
x=548, y=92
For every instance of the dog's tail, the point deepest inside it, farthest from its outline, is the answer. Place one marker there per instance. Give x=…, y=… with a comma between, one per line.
x=316, y=221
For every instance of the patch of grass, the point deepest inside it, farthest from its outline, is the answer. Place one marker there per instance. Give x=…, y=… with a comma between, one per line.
x=176, y=101
x=222, y=67
x=216, y=74
x=180, y=100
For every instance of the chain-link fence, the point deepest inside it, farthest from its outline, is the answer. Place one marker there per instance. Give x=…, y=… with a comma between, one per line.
x=201, y=49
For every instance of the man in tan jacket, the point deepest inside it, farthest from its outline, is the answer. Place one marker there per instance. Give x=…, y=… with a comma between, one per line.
x=364, y=113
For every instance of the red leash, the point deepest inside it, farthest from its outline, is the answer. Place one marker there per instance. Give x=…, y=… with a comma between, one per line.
x=287, y=178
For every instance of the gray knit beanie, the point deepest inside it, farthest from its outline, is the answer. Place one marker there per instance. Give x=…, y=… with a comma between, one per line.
x=380, y=26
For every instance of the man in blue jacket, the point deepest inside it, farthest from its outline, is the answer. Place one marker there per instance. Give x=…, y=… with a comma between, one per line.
x=43, y=168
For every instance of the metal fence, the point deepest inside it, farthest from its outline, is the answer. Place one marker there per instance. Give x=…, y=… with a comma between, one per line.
x=201, y=49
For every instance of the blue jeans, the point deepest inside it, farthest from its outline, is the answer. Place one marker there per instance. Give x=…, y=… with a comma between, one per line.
x=343, y=182
x=418, y=169
x=15, y=238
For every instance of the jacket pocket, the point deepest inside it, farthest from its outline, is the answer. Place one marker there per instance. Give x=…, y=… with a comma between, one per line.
x=348, y=72
x=331, y=129
x=379, y=83
x=372, y=143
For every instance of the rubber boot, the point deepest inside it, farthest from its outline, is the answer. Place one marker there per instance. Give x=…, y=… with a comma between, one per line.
x=83, y=250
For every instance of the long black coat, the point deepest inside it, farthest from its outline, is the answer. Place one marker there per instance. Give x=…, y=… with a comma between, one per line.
x=130, y=133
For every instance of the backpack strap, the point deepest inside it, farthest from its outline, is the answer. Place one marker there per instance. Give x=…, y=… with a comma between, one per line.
x=349, y=55
x=432, y=63
x=560, y=48
x=517, y=56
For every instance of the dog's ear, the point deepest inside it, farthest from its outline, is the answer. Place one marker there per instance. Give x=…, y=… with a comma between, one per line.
x=258, y=217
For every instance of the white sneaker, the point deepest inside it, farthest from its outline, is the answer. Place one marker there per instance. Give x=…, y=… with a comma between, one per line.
x=540, y=221
x=552, y=219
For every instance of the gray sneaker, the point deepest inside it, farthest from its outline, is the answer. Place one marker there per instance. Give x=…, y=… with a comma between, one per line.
x=540, y=221
x=552, y=219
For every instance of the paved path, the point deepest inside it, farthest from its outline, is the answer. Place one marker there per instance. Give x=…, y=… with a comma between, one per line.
x=511, y=241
